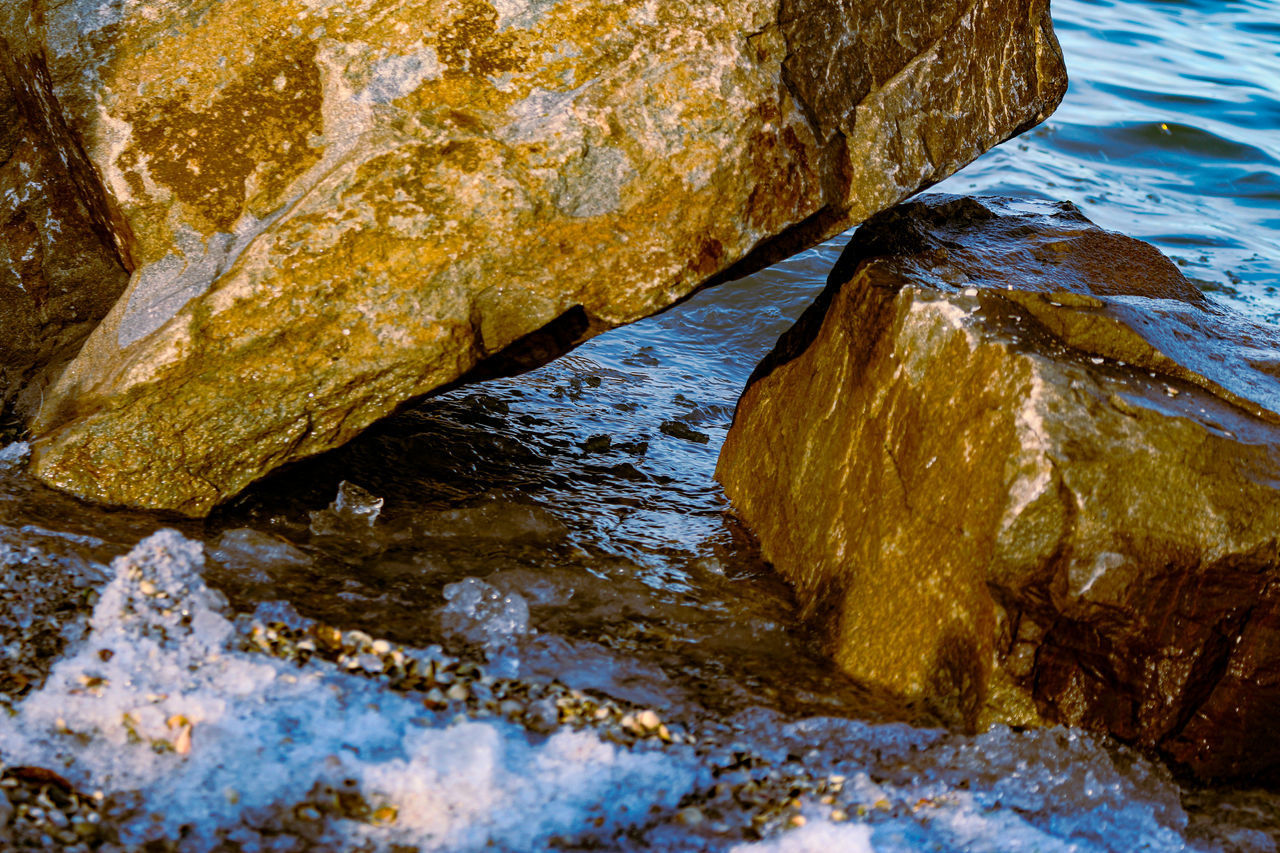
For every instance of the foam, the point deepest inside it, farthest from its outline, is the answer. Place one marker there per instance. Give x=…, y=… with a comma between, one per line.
x=212, y=737
x=816, y=837
x=14, y=455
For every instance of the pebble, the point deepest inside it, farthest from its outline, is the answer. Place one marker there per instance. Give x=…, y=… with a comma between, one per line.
x=39, y=810
x=751, y=798
x=691, y=816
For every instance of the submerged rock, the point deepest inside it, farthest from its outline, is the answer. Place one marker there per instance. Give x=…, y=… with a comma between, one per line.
x=331, y=208
x=1021, y=466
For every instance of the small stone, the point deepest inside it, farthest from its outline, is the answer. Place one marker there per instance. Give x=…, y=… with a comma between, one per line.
x=691, y=816
x=357, y=640
x=647, y=720
x=307, y=812
x=182, y=742
x=543, y=716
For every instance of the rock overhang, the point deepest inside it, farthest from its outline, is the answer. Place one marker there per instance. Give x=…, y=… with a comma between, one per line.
x=330, y=209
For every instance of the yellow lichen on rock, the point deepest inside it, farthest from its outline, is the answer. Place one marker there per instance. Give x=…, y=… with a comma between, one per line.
x=331, y=208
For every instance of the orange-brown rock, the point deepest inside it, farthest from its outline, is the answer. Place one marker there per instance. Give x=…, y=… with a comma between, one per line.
x=1020, y=467
x=330, y=208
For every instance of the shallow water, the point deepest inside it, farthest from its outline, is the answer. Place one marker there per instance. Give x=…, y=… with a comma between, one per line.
x=564, y=525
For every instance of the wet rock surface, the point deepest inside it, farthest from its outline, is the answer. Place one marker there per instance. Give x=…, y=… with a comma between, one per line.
x=1022, y=467
x=59, y=273
x=331, y=208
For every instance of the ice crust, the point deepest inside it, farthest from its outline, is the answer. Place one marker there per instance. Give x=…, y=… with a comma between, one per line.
x=259, y=733
x=14, y=454
x=482, y=613
x=354, y=509
x=161, y=699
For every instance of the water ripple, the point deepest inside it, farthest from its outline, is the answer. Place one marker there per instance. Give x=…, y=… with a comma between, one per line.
x=1168, y=132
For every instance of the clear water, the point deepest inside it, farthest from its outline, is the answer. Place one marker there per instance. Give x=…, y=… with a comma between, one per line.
x=582, y=495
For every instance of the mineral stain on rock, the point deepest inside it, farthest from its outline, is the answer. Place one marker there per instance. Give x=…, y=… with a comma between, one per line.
x=333, y=209
x=235, y=151
x=1021, y=467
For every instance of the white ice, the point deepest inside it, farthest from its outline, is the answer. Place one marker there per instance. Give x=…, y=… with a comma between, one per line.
x=209, y=734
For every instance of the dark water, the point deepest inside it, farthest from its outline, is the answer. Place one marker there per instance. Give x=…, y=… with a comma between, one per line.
x=585, y=489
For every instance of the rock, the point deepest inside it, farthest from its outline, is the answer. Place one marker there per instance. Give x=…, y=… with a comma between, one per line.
x=1021, y=467
x=331, y=208
x=58, y=275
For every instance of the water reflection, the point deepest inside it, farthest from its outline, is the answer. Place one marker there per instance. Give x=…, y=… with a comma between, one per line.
x=1167, y=133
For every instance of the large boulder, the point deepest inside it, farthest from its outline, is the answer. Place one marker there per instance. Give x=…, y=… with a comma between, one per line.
x=59, y=273
x=1022, y=468
x=329, y=208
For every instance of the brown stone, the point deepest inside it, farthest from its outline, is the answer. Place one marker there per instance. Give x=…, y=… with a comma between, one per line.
x=331, y=208
x=59, y=274
x=1020, y=467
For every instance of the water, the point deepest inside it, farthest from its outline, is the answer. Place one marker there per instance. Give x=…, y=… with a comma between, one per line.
x=564, y=525
x=1167, y=133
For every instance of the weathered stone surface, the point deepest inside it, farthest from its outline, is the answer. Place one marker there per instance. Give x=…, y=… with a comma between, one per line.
x=1020, y=466
x=333, y=207
x=58, y=275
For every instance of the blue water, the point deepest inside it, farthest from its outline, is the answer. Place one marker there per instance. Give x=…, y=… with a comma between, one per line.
x=1170, y=131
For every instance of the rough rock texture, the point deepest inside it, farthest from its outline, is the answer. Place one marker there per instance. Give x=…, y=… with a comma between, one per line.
x=59, y=274
x=1020, y=466
x=330, y=208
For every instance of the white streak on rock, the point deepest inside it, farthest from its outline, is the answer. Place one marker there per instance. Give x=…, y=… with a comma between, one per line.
x=398, y=76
